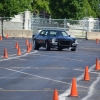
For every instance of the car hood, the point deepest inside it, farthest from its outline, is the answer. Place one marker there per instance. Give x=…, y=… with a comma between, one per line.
x=66, y=38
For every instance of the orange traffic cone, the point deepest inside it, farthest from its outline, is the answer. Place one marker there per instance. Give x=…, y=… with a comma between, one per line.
x=0, y=37
x=74, y=91
x=27, y=42
x=16, y=46
x=99, y=62
x=55, y=95
x=6, y=35
x=97, y=67
x=19, y=51
x=30, y=46
x=97, y=41
x=86, y=74
x=5, y=53
x=28, y=49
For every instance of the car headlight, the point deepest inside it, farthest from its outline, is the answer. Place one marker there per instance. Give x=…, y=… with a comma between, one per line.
x=54, y=40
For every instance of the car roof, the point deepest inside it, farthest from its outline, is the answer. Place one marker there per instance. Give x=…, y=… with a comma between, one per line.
x=54, y=29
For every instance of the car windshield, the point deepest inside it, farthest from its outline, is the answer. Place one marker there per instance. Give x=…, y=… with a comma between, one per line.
x=53, y=33
x=58, y=33
x=64, y=33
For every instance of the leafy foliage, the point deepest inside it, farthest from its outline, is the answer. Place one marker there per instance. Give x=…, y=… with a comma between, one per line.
x=73, y=9
x=10, y=7
x=70, y=9
x=40, y=5
x=95, y=6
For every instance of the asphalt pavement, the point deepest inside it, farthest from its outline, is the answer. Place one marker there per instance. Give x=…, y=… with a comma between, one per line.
x=36, y=74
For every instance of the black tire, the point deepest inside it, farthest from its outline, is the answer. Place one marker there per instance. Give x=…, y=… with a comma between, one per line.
x=59, y=49
x=35, y=45
x=73, y=49
x=47, y=45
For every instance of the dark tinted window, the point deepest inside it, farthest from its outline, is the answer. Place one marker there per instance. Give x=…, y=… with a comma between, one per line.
x=58, y=33
x=44, y=33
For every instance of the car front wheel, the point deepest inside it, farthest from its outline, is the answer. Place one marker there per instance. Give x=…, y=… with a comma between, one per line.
x=47, y=45
x=59, y=49
x=35, y=45
x=73, y=49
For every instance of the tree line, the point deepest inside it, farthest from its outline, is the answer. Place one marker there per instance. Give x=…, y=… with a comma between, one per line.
x=69, y=9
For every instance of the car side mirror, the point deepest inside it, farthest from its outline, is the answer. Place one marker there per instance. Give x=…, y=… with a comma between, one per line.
x=69, y=35
x=33, y=35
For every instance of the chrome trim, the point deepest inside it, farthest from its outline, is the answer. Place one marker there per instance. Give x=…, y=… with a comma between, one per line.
x=74, y=44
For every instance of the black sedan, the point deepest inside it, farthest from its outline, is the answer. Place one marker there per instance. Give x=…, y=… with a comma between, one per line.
x=58, y=39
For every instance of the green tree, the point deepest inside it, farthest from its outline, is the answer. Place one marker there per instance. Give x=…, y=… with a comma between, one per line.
x=70, y=9
x=40, y=5
x=1, y=9
x=10, y=7
x=73, y=9
x=95, y=6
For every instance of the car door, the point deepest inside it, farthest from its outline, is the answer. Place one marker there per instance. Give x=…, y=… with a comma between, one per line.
x=42, y=37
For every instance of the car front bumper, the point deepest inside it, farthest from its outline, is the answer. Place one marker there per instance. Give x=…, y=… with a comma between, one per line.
x=58, y=45
x=74, y=44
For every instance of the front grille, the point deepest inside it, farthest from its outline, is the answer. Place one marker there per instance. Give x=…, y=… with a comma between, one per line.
x=64, y=43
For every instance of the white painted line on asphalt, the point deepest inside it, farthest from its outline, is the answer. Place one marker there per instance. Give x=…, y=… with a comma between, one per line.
x=14, y=54
x=44, y=90
x=14, y=67
x=26, y=90
x=92, y=88
x=67, y=92
x=17, y=59
x=62, y=68
x=23, y=69
x=79, y=69
x=58, y=57
x=98, y=73
x=37, y=76
x=9, y=58
x=1, y=56
x=42, y=77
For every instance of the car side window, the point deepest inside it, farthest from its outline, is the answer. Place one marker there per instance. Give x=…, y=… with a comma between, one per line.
x=44, y=33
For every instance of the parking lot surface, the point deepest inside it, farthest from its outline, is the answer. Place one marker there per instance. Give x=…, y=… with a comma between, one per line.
x=34, y=75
